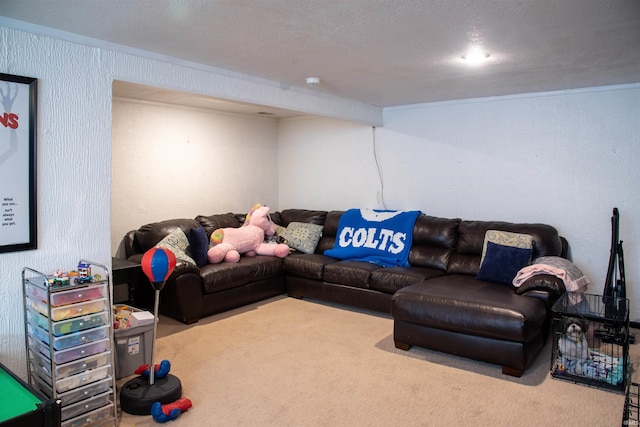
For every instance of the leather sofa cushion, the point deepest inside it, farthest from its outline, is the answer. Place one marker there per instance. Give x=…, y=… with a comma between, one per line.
x=149, y=235
x=329, y=231
x=464, y=264
x=226, y=275
x=310, y=266
x=430, y=256
x=434, y=240
x=331, y=223
x=213, y=222
x=350, y=273
x=545, y=237
x=466, y=258
x=460, y=303
x=288, y=216
x=389, y=280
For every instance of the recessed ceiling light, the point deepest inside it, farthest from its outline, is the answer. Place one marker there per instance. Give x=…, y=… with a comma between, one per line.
x=475, y=56
x=313, y=81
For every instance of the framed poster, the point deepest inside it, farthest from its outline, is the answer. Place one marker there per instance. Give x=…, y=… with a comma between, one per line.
x=18, y=96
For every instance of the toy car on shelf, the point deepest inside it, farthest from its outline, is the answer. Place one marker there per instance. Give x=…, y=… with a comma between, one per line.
x=84, y=273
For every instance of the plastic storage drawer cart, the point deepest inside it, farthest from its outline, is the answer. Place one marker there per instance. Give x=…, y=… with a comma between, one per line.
x=69, y=343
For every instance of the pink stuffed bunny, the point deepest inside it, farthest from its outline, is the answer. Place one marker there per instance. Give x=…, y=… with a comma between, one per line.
x=226, y=244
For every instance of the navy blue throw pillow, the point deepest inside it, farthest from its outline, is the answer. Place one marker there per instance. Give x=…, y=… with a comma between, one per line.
x=199, y=245
x=502, y=263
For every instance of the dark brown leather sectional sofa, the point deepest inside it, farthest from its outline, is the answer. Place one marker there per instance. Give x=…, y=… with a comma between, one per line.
x=436, y=303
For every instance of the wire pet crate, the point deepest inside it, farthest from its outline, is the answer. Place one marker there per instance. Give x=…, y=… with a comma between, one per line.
x=590, y=336
x=631, y=414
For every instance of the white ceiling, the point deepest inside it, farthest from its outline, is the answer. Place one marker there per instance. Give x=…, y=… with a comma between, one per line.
x=380, y=52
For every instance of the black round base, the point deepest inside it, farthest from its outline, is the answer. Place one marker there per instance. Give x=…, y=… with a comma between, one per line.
x=137, y=395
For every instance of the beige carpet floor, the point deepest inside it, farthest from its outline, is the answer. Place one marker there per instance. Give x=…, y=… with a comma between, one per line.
x=289, y=362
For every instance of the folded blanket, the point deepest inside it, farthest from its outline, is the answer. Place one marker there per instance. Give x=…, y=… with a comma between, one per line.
x=382, y=237
x=574, y=280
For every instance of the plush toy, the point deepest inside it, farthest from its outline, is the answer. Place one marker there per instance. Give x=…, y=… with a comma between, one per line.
x=226, y=244
x=170, y=411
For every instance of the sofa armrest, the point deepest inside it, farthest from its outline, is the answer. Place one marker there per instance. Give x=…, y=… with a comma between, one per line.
x=181, y=266
x=546, y=288
x=542, y=282
x=127, y=244
x=182, y=297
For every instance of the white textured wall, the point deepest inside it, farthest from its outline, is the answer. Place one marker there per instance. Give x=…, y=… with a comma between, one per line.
x=170, y=162
x=73, y=184
x=562, y=158
x=74, y=145
x=326, y=164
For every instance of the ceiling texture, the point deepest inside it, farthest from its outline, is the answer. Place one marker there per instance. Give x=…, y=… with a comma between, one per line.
x=380, y=52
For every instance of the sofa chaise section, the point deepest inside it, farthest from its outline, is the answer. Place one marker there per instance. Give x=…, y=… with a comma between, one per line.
x=491, y=322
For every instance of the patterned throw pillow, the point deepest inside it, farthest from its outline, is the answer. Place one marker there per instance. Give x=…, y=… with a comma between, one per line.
x=177, y=243
x=503, y=254
x=506, y=238
x=303, y=236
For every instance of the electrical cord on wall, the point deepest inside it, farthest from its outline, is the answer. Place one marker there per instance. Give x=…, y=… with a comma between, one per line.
x=375, y=156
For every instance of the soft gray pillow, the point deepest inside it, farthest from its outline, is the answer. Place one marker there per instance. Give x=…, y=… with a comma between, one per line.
x=303, y=236
x=178, y=243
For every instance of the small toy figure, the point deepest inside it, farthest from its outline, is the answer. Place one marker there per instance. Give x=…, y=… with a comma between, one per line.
x=170, y=411
x=59, y=278
x=84, y=273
